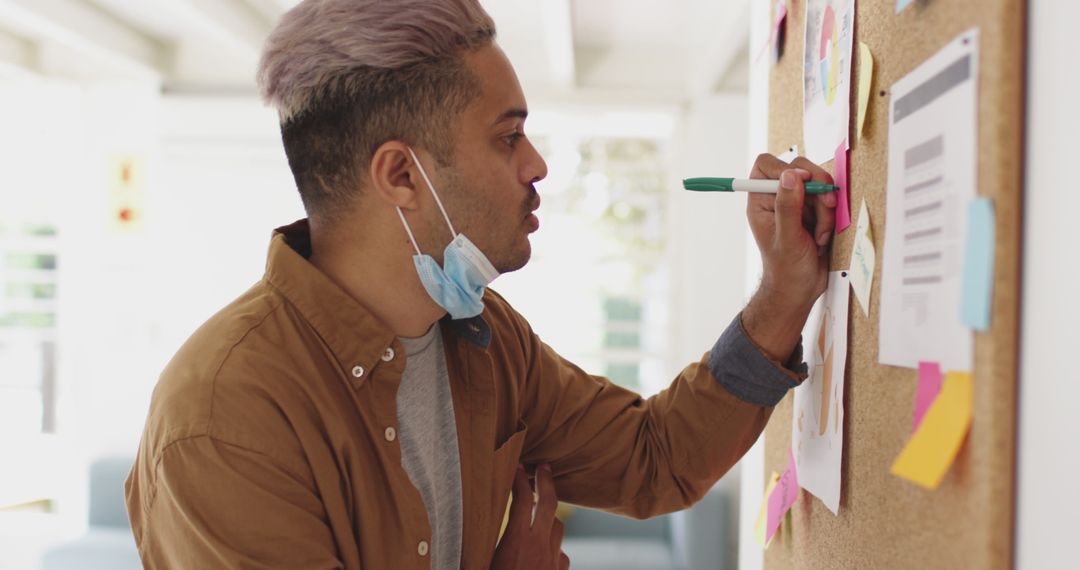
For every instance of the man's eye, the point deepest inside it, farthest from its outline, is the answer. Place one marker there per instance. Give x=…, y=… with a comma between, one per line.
x=513, y=138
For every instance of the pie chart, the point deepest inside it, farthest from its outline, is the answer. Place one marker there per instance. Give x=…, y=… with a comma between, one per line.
x=829, y=54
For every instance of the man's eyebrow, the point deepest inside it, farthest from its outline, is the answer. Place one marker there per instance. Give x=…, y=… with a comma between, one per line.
x=512, y=114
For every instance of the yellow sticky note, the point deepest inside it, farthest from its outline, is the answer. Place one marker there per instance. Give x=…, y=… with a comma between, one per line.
x=866, y=74
x=759, y=526
x=931, y=451
x=863, y=259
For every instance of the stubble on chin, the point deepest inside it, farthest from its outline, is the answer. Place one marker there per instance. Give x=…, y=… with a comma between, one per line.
x=514, y=260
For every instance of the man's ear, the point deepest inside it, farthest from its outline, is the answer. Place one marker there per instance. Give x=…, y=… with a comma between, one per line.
x=393, y=176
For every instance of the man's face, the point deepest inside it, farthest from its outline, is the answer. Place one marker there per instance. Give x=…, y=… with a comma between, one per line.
x=488, y=191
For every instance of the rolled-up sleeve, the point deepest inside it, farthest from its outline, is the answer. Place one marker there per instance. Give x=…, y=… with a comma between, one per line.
x=612, y=449
x=743, y=368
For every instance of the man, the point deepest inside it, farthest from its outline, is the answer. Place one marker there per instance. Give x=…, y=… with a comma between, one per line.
x=369, y=404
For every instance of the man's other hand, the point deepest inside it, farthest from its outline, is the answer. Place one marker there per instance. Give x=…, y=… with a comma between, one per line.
x=793, y=231
x=533, y=538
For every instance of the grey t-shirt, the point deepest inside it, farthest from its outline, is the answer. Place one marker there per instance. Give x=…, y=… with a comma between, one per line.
x=429, y=443
x=428, y=432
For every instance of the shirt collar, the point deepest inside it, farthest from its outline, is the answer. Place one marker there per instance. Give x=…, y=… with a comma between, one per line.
x=473, y=329
x=356, y=337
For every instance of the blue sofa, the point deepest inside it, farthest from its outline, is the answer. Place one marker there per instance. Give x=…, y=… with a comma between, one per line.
x=108, y=544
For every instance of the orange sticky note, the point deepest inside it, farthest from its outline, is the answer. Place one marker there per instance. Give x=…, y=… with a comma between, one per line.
x=759, y=526
x=931, y=450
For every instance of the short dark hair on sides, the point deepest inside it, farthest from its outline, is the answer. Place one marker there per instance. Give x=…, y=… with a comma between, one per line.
x=330, y=146
x=347, y=76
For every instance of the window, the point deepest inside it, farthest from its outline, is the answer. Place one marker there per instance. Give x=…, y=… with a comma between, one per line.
x=28, y=291
x=596, y=288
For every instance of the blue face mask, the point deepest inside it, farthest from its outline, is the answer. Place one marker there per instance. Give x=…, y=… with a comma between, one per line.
x=459, y=285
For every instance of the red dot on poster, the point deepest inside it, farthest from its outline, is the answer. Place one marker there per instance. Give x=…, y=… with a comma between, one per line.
x=126, y=215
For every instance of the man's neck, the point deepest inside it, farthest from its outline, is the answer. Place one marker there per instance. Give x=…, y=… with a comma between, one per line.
x=381, y=279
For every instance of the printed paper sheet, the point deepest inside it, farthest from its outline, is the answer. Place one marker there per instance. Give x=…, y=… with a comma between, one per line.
x=817, y=428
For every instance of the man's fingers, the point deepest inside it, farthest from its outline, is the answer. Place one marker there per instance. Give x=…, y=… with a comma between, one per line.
x=768, y=167
x=789, y=206
x=824, y=205
x=557, y=532
x=829, y=199
x=522, y=506
x=817, y=173
x=545, y=489
x=825, y=218
x=809, y=216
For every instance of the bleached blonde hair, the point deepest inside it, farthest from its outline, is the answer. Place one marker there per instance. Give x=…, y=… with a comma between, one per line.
x=347, y=76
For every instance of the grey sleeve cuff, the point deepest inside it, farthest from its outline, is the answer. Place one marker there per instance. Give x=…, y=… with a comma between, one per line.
x=743, y=369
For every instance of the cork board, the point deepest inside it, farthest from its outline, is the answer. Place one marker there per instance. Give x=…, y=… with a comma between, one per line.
x=884, y=521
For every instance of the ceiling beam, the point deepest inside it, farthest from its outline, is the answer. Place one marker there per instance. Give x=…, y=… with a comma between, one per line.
x=18, y=58
x=725, y=43
x=558, y=29
x=286, y=5
x=87, y=30
x=270, y=9
x=233, y=23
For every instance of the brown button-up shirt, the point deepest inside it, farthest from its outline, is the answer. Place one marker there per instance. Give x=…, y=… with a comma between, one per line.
x=270, y=441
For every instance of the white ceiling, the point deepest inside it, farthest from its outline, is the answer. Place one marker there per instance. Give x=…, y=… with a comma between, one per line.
x=635, y=50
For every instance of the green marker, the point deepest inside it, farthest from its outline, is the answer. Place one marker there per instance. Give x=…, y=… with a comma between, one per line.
x=743, y=185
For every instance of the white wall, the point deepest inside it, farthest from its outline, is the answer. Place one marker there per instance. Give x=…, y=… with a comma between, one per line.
x=103, y=300
x=1049, y=452
x=707, y=237
x=708, y=231
x=217, y=184
x=752, y=466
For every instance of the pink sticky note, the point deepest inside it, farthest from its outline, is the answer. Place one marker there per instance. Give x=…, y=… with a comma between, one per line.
x=781, y=13
x=776, y=507
x=929, y=386
x=774, y=31
x=843, y=210
x=782, y=498
x=793, y=490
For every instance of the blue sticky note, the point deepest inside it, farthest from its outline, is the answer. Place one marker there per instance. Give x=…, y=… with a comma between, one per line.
x=901, y=4
x=978, y=290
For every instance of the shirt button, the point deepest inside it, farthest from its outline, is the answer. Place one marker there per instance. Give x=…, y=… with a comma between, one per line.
x=391, y=434
x=358, y=371
x=388, y=355
x=422, y=548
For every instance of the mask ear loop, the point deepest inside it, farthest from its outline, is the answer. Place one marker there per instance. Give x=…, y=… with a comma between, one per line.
x=453, y=232
x=408, y=230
